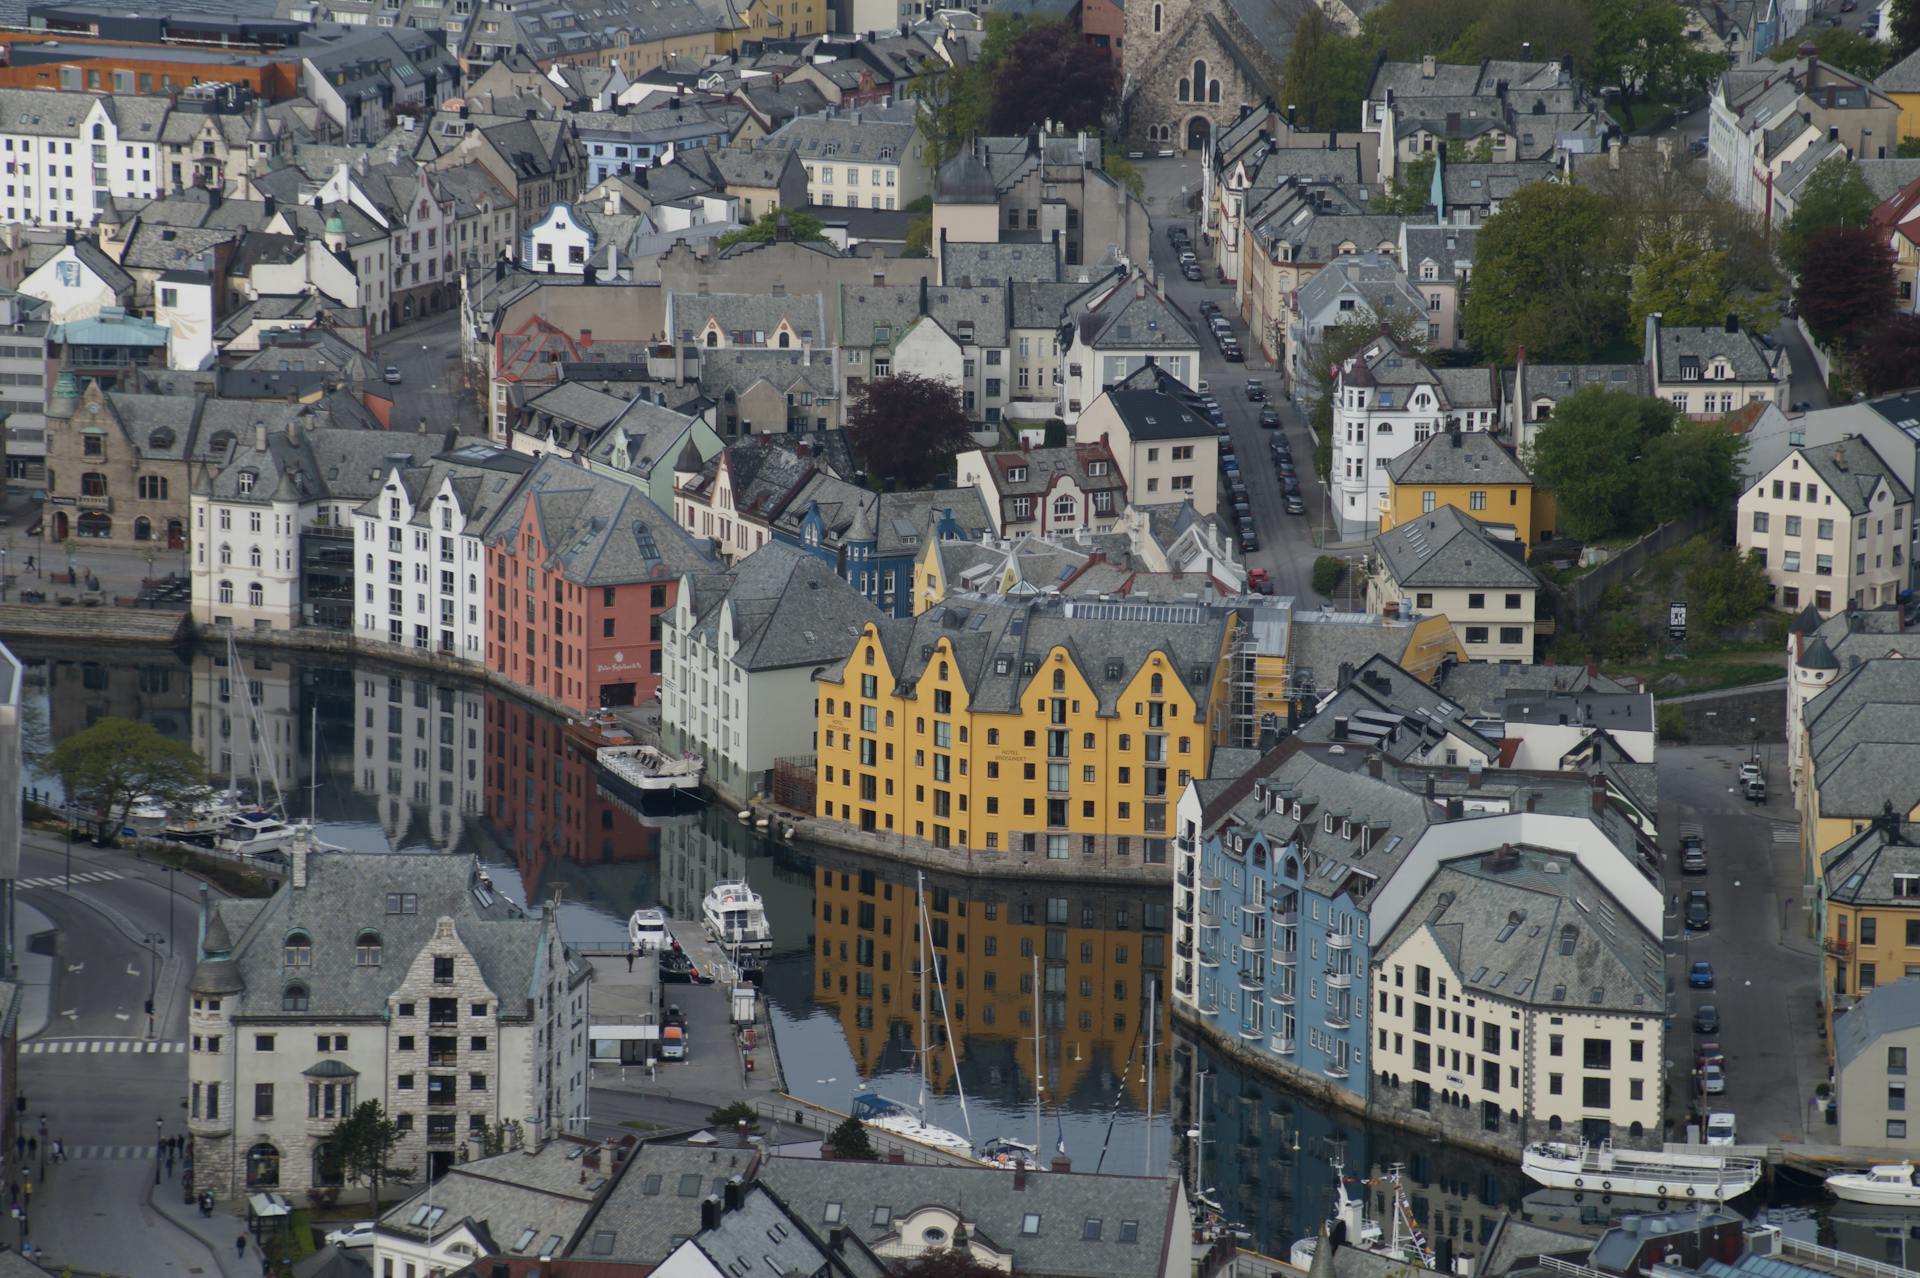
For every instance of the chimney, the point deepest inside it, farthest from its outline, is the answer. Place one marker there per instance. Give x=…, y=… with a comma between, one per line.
x=1019, y=1176
x=1426, y=66
x=732, y=1192
x=1139, y=286
x=1733, y=322
x=709, y=1212
x=1429, y=787
x=297, y=857
x=837, y=1239
x=1598, y=793
x=1532, y=799
x=1061, y=1164
x=1339, y=727
x=1374, y=765
x=260, y=437
x=1476, y=773
x=1456, y=808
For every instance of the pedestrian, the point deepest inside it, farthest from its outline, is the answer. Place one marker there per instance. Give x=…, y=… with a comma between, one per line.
x=59, y=1149
x=631, y=954
x=240, y=1247
x=169, y=1166
x=29, y=563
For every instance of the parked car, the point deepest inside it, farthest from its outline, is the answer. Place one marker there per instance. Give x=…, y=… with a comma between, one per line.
x=1699, y=910
x=1713, y=1080
x=1249, y=540
x=1693, y=860
x=1209, y=308
x=1186, y=256
x=1706, y=1019
x=1708, y=1053
x=1256, y=389
x=1700, y=975
x=358, y=1234
x=1176, y=233
x=1756, y=791
x=1284, y=465
x=1191, y=270
x=1290, y=485
x=1232, y=354
x=1721, y=1129
x=1750, y=771
x=1259, y=582
x=1295, y=504
x=1269, y=418
x=392, y=375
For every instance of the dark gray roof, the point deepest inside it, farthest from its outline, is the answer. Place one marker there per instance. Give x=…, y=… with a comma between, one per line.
x=1861, y=870
x=1892, y=1008
x=1680, y=347
x=1388, y=709
x=1903, y=76
x=1557, y=381
x=1854, y=471
x=547, y=1191
x=964, y=264
x=600, y=531
x=1458, y=457
x=1130, y=317
x=1152, y=414
x=1483, y=687
x=785, y=608
x=871, y=1197
x=1859, y=634
x=965, y=180
x=655, y=1205
x=1862, y=734
x=1446, y=547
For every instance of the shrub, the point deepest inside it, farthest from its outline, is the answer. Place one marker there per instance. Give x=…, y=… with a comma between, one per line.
x=1672, y=723
x=1328, y=573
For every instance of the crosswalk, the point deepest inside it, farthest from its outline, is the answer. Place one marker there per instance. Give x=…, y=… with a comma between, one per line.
x=49, y=1047
x=60, y=880
x=108, y=1153
x=1786, y=834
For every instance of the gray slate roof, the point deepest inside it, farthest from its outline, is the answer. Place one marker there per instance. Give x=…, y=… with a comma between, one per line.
x=1458, y=457
x=1152, y=414
x=1862, y=736
x=786, y=608
x=1855, y=472
x=1889, y=1009
x=655, y=1205
x=600, y=531
x=506, y=1195
x=994, y=1210
x=1680, y=345
x=1447, y=547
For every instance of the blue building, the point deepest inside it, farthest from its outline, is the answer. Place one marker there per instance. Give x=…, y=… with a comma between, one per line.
x=874, y=539
x=1275, y=874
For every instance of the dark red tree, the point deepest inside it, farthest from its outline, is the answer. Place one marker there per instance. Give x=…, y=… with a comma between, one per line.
x=907, y=428
x=945, y=1263
x=1846, y=288
x=1889, y=359
x=1050, y=73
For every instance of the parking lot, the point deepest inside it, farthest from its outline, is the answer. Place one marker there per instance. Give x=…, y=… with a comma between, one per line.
x=1765, y=969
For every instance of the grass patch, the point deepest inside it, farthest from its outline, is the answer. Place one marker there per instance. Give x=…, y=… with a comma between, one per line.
x=1645, y=111
x=1712, y=669
x=295, y=1244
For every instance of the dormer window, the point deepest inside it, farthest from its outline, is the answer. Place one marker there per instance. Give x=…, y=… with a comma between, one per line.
x=1296, y=809
x=247, y=480
x=1016, y=474
x=1096, y=469
x=1346, y=829
x=1326, y=823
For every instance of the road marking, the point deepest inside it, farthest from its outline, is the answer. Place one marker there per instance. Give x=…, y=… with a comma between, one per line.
x=60, y=880
x=98, y=1153
x=1786, y=834
x=138, y=1045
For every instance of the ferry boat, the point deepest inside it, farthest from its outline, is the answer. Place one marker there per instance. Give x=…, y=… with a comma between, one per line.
x=735, y=918
x=647, y=930
x=1653, y=1173
x=1882, y=1185
x=648, y=770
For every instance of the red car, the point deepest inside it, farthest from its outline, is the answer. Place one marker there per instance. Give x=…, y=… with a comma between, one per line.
x=1257, y=580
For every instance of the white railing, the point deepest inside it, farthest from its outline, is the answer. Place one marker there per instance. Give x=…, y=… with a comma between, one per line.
x=1842, y=1260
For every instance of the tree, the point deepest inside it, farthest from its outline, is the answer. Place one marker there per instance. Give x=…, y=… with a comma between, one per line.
x=730, y=1116
x=1837, y=46
x=1122, y=170
x=1909, y=149
x=1846, y=288
x=907, y=428
x=1887, y=360
x=1050, y=73
x=1903, y=24
x=919, y=235
x=848, y=1142
x=1642, y=46
x=1586, y=454
x=1724, y=586
x=944, y=1263
x=1834, y=194
x=1337, y=343
x=1327, y=572
x=1546, y=276
x=1411, y=191
x=800, y=226
x=1688, y=281
x=111, y=765
x=1694, y=466
x=360, y=1148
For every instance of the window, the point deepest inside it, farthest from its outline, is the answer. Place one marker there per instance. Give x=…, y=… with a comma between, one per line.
x=1760, y=521
x=366, y=950
x=299, y=950
x=1896, y=1129
x=294, y=998
x=263, y=1100
x=1030, y=1224
x=1897, y=1060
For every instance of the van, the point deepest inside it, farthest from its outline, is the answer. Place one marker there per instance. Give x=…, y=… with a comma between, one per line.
x=1720, y=1129
x=673, y=1043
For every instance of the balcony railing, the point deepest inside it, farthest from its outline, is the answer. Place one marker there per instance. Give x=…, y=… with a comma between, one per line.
x=1336, y=1069
x=1251, y=979
x=95, y=501
x=1252, y=1033
x=1183, y=949
x=1182, y=913
x=1282, y=1046
x=320, y=529
x=1339, y=1020
x=1286, y=918
x=1838, y=945
x=1286, y=958
x=1339, y=980
x=1283, y=995
x=1184, y=878
x=1340, y=941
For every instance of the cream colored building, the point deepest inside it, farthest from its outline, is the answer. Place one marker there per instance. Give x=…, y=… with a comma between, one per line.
x=1830, y=523
x=1505, y=1007
x=1166, y=451
x=1446, y=562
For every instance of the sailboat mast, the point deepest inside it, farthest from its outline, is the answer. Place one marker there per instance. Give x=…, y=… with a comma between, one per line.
x=1036, y=1054
x=920, y=896
x=946, y=1019
x=313, y=762
x=1152, y=987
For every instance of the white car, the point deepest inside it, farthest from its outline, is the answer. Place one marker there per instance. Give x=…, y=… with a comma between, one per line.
x=1749, y=771
x=1713, y=1080
x=1720, y=1128
x=358, y=1234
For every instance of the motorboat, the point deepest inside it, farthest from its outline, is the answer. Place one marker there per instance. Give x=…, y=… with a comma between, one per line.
x=736, y=918
x=147, y=818
x=650, y=770
x=1669, y=1174
x=1882, y=1185
x=647, y=930
x=1005, y=1151
x=255, y=834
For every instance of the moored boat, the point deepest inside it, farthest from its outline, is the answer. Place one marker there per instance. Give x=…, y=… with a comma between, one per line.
x=648, y=769
x=1651, y=1173
x=1882, y=1185
x=735, y=917
x=647, y=930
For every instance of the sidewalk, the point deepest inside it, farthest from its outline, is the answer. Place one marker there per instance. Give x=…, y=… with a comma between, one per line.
x=79, y=1221
x=35, y=975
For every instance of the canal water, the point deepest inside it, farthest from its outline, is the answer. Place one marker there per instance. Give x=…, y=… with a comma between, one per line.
x=383, y=758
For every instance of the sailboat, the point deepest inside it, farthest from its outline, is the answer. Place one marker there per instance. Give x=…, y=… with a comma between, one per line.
x=885, y=1114
x=1005, y=1151
x=1408, y=1244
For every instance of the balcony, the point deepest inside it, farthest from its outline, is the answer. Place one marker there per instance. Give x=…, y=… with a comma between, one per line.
x=1183, y=987
x=1339, y=980
x=1838, y=946
x=1286, y=918
x=1252, y=980
x=1336, y=1069
x=342, y=531
x=1340, y=941
x=1208, y=959
x=1252, y=944
x=1184, y=877
x=1282, y=1046
x=1251, y=908
x=1283, y=996
x=1286, y=958
x=1209, y=1005
x=1183, y=913
x=1208, y=918
x=1183, y=949
x=1252, y=1033
x=1340, y=1020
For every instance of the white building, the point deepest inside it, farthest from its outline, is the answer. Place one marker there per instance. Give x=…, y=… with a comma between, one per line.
x=738, y=658
x=1445, y=561
x=65, y=152
x=1515, y=990
x=1116, y=332
x=422, y=567
x=1166, y=451
x=1831, y=525
x=1708, y=372
x=418, y=750
x=77, y=282
x=1549, y=731
x=1385, y=401
x=401, y=978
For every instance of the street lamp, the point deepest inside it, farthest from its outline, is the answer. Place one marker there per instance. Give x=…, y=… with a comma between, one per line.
x=159, y=1127
x=172, y=872
x=152, y=940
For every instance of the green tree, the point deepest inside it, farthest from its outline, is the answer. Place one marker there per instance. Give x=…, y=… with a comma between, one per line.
x=360, y=1150
x=1694, y=466
x=1840, y=47
x=1834, y=194
x=1903, y=24
x=106, y=768
x=848, y=1142
x=1547, y=277
x=919, y=236
x=1050, y=73
x=1725, y=586
x=800, y=226
x=907, y=428
x=1337, y=343
x=1642, y=46
x=1411, y=191
x=1688, y=281
x=1909, y=149
x=1122, y=170
x=1327, y=572
x=732, y=1115
x=1586, y=454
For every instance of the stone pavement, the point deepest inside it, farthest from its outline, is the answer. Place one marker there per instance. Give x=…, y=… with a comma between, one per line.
x=108, y=1217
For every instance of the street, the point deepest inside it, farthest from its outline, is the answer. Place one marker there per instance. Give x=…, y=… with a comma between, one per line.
x=1766, y=973
x=433, y=381
x=1287, y=547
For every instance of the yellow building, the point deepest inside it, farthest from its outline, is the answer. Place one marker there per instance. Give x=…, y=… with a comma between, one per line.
x=772, y=20
x=1093, y=948
x=1055, y=729
x=1870, y=897
x=1901, y=82
x=1468, y=470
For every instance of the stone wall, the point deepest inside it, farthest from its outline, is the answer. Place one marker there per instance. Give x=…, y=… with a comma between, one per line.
x=1737, y=716
x=91, y=625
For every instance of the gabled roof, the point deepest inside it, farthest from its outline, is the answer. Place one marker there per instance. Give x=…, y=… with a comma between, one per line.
x=1447, y=548
x=1458, y=457
x=784, y=608
x=598, y=530
x=1854, y=471
x=1154, y=414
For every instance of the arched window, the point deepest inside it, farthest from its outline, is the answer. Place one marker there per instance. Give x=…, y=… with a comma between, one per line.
x=786, y=340
x=1154, y=685
x=1213, y=90
x=255, y=595
x=226, y=554
x=294, y=998
x=298, y=950
x=99, y=133
x=366, y=950
x=143, y=529
x=1157, y=16
x=253, y=556
x=713, y=338
x=1064, y=507
x=1059, y=680
x=263, y=1167
x=226, y=592
x=1199, y=77
x=93, y=484
x=1186, y=93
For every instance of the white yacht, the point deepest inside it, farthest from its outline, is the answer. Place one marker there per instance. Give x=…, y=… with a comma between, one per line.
x=255, y=834
x=736, y=919
x=647, y=930
x=888, y=1115
x=1882, y=1185
x=1408, y=1245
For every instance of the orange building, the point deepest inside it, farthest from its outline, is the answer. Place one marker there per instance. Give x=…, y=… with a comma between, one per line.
x=40, y=60
x=1096, y=947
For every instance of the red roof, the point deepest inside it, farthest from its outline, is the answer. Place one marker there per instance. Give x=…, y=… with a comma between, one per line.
x=1899, y=213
